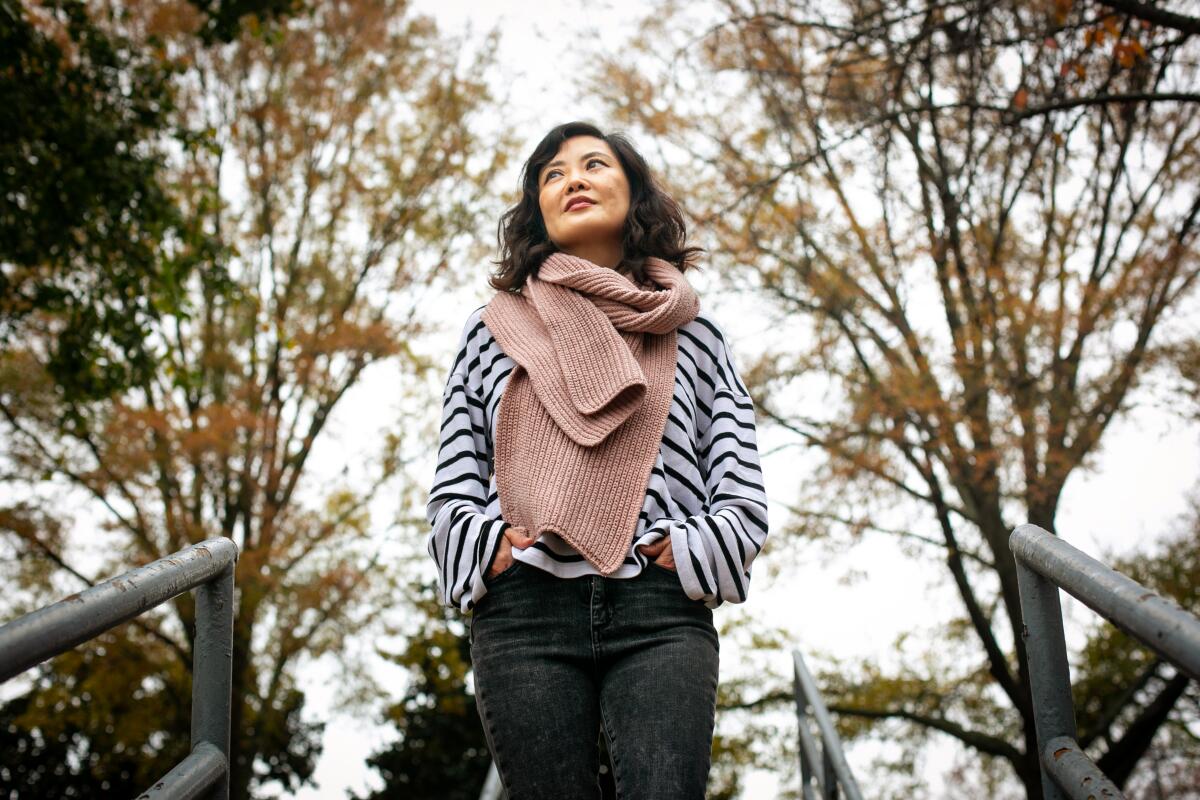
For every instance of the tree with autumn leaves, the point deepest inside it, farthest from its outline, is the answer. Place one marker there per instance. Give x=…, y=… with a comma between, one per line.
x=978, y=220
x=332, y=161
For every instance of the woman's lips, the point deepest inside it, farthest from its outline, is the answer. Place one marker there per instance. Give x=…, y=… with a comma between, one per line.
x=579, y=206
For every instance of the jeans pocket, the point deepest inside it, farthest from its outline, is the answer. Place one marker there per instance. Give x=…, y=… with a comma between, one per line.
x=671, y=575
x=666, y=574
x=503, y=575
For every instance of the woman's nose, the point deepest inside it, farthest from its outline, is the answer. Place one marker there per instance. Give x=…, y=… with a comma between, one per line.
x=576, y=183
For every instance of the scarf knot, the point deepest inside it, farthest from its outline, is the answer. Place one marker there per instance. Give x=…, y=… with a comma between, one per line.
x=583, y=413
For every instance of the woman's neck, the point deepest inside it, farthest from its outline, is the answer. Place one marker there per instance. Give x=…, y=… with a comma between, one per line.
x=605, y=254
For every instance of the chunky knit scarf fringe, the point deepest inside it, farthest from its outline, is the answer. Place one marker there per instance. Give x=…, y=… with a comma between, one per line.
x=582, y=416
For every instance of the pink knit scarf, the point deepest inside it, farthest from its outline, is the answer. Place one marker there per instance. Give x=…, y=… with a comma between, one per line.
x=582, y=416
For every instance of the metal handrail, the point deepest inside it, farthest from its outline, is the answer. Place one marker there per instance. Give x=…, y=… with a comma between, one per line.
x=1045, y=564
x=835, y=770
x=29, y=640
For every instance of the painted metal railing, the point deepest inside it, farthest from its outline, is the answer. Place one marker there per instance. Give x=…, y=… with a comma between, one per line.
x=208, y=567
x=823, y=770
x=1045, y=564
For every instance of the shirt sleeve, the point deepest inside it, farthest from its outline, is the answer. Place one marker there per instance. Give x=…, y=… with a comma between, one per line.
x=713, y=550
x=464, y=539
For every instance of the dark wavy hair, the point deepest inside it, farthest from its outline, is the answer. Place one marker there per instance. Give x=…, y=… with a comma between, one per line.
x=653, y=227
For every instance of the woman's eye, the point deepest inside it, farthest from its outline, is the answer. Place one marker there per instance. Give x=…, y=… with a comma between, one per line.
x=554, y=172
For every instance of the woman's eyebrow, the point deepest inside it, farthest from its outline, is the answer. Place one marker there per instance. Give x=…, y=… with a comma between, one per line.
x=558, y=162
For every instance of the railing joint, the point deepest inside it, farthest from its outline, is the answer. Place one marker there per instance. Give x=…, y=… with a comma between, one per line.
x=1045, y=564
x=207, y=567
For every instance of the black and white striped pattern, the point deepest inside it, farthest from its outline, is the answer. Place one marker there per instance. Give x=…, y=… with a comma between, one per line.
x=705, y=491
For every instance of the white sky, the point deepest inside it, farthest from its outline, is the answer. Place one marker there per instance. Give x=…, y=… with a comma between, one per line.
x=1148, y=463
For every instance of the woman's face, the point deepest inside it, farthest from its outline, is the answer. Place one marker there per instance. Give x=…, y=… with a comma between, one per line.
x=584, y=198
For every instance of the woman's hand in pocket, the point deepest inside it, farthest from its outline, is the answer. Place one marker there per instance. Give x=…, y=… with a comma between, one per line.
x=661, y=553
x=514, y=536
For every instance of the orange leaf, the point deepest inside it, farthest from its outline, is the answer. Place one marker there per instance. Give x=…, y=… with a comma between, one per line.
x=1020, y=100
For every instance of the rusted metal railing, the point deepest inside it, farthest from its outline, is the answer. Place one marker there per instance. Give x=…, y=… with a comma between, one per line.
x=834, y=771
x=1046, y=564
x=208, y=567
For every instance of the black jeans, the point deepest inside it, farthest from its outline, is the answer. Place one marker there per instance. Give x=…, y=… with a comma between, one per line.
x=556, y=660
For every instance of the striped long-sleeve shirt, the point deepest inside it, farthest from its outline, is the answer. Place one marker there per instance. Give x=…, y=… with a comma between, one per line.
x=705, y=491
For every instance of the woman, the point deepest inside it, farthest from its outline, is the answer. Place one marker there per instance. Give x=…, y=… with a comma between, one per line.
x=598, y=489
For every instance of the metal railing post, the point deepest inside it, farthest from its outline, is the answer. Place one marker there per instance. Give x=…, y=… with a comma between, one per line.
x=831, y=784
x=835, y=768
x=807, y=748
x=1049, y=675
x=213, y=670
